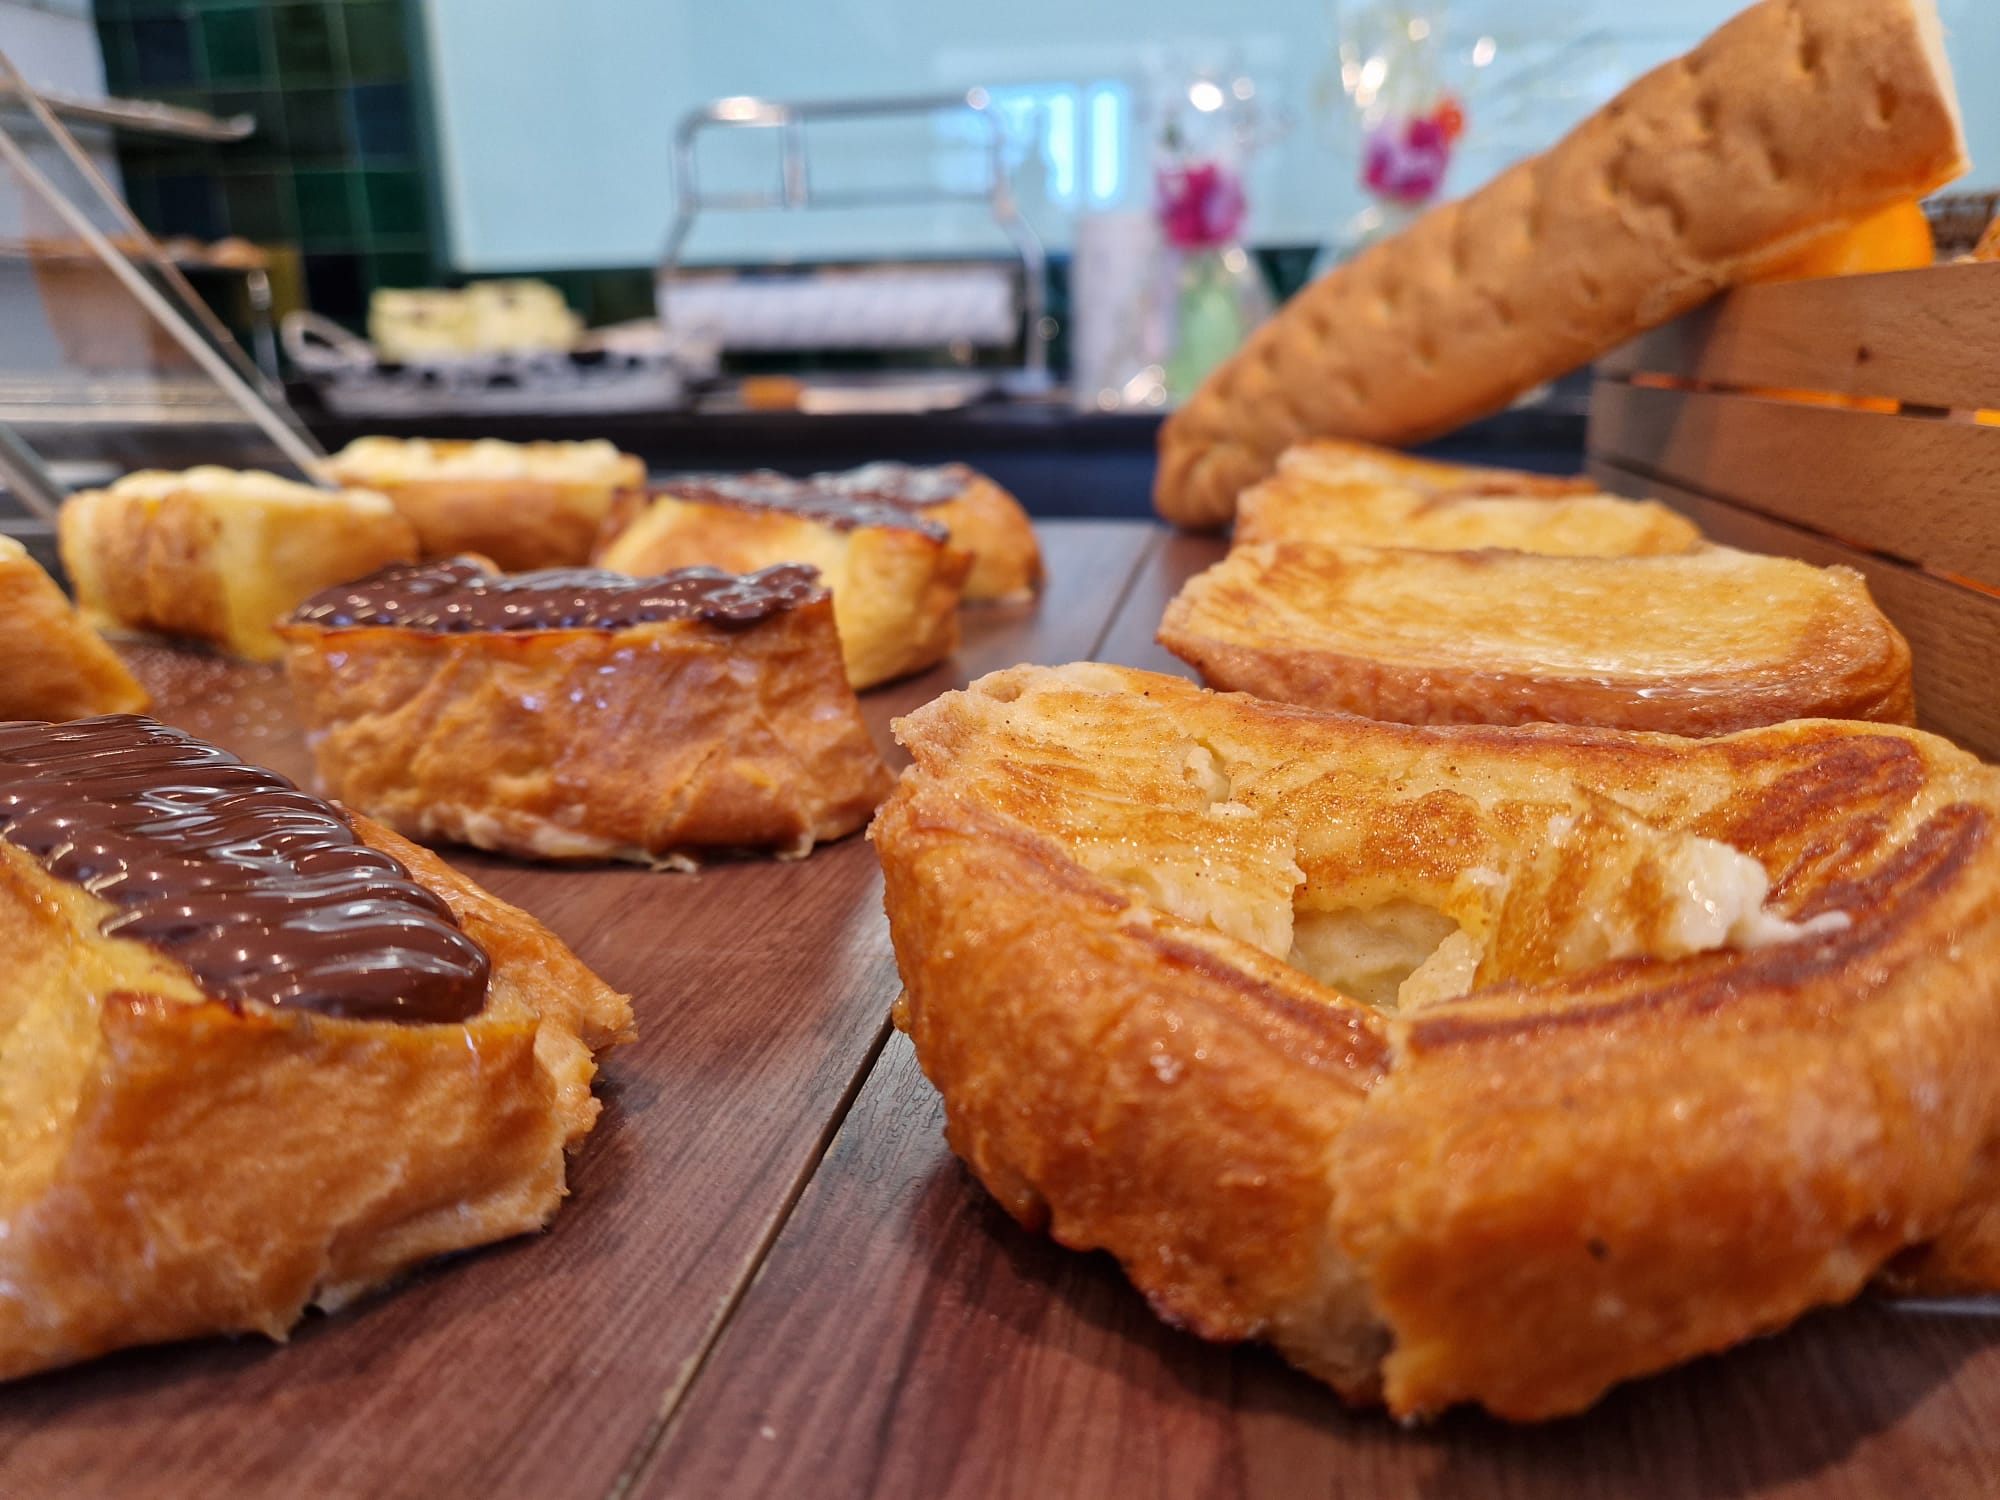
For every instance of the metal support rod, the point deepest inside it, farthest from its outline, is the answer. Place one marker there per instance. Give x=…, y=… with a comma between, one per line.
x=14, y=84
x=297, y=450
x=27, y=480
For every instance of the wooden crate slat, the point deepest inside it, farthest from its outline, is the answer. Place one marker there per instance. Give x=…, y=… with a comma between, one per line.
x=1931, y=337
x=1954, y=632
x=1912, y=487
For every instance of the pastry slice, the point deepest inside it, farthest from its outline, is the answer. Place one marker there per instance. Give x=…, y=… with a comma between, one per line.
x=581, y=715
x=220, y=555
x=895, y=574
x=1351, y=493
x=1671, y=1040
x=983, y=519
x=52, y=665
x=524, y=505
x=1700, y=643
x=255, y=1053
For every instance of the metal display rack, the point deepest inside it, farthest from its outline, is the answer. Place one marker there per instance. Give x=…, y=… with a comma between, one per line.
x=796, y=191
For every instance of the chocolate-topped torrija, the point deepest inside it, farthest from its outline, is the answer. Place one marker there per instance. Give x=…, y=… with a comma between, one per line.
x=262, y=892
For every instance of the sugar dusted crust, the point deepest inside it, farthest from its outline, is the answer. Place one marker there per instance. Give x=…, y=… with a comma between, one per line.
x=1704, y=642
x=1629, y=1142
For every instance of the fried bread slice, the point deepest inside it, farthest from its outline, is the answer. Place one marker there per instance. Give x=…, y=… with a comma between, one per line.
x=896, y=576
x=524, y=505
x=52, y=665
x=1704, y=642
x=576, y=714
x=254, y=1054
x=1351, y=493
x=219, y=555
x=1685, y=1037
x=982, y=518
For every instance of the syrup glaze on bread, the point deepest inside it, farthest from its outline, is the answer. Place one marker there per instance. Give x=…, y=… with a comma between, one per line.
x=524, y=505
x=255, y=1053
x=1625, y=1122
x=578, y=714
x=1703, y=642
x=1354, y=494
x=220, y=555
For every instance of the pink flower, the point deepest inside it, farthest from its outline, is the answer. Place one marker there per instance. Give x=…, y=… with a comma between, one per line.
x=1201, y=206
x=1406, y=159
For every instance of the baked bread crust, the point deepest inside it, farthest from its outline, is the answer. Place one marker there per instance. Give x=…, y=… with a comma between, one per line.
x=178, y=1166
x=1334, y=492
x=982, y=518
x=1700, y=643
x=1613, y=1154
x=52, y=665
x=1795, y=118
x=647, y=743
x=219, y=555
x=524, y=505
x=895, y=588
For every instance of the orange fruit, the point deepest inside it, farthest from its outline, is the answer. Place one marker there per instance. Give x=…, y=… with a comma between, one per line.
x=1896, y=239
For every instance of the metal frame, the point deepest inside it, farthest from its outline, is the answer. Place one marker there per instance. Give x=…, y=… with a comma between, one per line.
x=795, y=190
x=217, y=354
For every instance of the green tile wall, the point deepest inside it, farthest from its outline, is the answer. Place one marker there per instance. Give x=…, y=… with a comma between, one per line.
x=336, y=166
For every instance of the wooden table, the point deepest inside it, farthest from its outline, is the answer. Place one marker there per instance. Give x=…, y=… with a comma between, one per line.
x=773, y=1279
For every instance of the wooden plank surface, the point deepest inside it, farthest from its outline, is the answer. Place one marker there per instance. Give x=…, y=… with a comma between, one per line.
x=1919, y=488
x=905, y=1337
x=1129, y=641
x=542, y=1368
x=1953, y=631
x=1931, y=337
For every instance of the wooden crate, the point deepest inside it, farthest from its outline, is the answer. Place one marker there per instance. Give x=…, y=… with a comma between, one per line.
x=1887, y=470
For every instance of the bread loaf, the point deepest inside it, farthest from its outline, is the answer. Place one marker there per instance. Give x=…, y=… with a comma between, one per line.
x=1796, y=119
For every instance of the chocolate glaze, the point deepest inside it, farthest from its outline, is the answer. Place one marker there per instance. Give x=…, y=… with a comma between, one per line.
x=815, y=499
x=262, y=892
x=457, y=597
x=909, y=485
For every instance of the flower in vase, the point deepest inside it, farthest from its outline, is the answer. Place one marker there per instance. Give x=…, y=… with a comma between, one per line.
x=1406, y=157
x=1201, y=206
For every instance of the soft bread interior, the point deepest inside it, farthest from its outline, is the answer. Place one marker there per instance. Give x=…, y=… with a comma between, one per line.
x=49, y=1036
x=1362, y=878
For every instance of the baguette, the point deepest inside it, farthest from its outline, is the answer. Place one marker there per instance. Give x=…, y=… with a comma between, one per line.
x=1796, y=119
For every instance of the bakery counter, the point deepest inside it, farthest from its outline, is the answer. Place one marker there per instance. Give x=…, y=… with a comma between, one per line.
x=774, y=1278
x=1059, y=462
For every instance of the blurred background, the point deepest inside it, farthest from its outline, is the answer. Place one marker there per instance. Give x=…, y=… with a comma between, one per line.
x=1041, y=203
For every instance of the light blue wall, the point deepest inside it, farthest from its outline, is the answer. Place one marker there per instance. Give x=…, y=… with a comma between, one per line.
x=556, y=115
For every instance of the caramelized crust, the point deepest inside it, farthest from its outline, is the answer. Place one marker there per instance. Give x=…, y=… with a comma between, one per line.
x=1652, y=1117
x=643, y=743
x=220, y=556
x=895, y=588
x=524, y=505
x=52, y=665
x=1702, y=643
x=1349, y=493
x=177, y=1166
x=982, y=518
